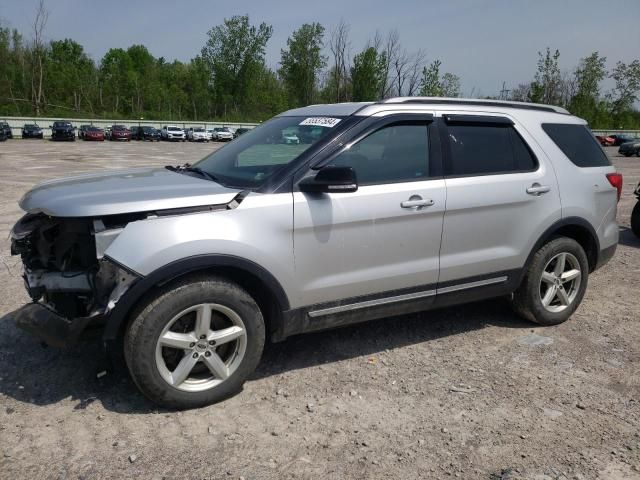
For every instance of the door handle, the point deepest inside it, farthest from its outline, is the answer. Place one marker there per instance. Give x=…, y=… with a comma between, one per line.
x=536, y=189
x=416, y=201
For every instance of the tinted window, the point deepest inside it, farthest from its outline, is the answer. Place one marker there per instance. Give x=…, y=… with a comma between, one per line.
x=397, y=153
x=487, y=149
x=577, y=143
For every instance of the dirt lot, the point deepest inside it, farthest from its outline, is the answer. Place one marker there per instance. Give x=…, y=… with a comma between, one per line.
x=468, y=392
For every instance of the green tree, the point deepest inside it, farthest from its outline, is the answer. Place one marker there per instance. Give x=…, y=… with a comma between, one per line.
x=625, y=93
x=547, y=81
x=588, y=75
x=234, y=53
x=450, y=85
x=367, y=74
x=301, y=63
x=430, y=84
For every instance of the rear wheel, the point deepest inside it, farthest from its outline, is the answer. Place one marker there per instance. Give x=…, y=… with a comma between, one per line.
x=635, y=219
x=554, y=284
x=195, y=342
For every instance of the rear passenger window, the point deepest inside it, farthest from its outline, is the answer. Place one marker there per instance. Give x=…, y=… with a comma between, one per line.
x=398, y=153
x=577, y=143
x=487, y=149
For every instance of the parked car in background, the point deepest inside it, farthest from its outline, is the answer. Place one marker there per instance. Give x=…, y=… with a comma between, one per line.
x=240, y=131
x=192, y=268
x=81, y=131
x=32, y=130
x=4, y=126
x=120, y=132
x=145, y=132
x=630, y=148
x=290, y=138
x=622, y=138
x=173, y=133
x=197, y=134
x=605, y=140
x=63, y=130
x=222, y=134
x=211, y=134
x=3, y=135
x=93, y=133
x=107, y=133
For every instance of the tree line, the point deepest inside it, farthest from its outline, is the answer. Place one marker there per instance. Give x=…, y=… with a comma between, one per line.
x=230, y=79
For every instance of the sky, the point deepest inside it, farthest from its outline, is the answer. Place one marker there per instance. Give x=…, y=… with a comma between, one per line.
x=484, y=42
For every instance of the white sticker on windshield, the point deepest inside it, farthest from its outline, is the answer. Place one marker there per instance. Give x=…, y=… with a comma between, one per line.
x=321, y=121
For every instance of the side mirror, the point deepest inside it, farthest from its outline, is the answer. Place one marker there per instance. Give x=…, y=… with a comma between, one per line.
x=331, y=179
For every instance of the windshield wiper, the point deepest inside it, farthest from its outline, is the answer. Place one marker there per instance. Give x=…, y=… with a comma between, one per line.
x=188, y=168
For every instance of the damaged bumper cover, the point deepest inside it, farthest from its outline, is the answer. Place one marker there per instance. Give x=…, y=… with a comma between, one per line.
x=40, y=320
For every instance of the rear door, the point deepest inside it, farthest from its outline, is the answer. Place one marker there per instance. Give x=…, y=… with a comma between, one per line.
x=383, y=239
x=502, y=194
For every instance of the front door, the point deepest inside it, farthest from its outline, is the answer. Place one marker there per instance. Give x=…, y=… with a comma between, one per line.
x=383, y=238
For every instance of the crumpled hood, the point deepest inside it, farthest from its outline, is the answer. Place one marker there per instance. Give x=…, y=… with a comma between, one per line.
x=123, y=191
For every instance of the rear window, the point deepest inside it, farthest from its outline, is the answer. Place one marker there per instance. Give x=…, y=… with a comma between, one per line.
x=577, y=143
x=487, y=150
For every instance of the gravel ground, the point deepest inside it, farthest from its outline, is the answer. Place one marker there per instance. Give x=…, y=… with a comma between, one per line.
x=468, y=392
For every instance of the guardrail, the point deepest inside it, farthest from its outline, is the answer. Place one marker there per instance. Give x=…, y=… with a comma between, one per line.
x=16, y=123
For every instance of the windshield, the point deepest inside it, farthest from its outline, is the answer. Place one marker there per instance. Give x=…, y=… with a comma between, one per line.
x=148, y=129
x=119, y=127
x=198, y=129
x=174, y=129
x=251, y=159
x=94, y=129
x=61, y=124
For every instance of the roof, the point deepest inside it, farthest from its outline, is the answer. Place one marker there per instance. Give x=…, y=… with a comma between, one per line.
x=345, y=109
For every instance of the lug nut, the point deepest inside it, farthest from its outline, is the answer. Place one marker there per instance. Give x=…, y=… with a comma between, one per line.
x=207, y=354
x=195, y=355
x=202, y=337
x=212, y=342
x=192, y=344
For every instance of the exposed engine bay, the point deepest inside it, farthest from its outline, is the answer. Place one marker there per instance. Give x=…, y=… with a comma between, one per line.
x=64, y=268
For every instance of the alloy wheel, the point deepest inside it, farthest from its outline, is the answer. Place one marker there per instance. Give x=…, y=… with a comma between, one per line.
x=560, y=282
x=201, y=347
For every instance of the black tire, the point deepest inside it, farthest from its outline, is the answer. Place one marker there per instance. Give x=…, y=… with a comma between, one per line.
x=627, y=154
x=151, y=318
x=635, y=219
x=527, y=300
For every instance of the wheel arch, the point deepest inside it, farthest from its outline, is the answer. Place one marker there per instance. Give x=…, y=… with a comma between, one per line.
x=572, y=227
x=259, y=283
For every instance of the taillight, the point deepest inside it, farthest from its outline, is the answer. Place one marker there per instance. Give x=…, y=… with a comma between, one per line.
x=615, y=179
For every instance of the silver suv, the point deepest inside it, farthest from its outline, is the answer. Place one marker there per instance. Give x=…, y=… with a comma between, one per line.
x=378, y=209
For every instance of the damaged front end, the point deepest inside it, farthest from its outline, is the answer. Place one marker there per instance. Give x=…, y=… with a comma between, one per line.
x=72, y=284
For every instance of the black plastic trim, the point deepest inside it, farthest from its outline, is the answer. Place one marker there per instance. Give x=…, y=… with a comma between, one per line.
x=175, y=269
x=565, y=222
x=299, y=321
x=455, y=119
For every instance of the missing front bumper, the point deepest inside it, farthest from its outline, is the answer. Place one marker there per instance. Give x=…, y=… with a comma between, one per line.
x=41, y=322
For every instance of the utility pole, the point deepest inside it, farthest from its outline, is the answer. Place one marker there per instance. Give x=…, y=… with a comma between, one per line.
x=504, y=93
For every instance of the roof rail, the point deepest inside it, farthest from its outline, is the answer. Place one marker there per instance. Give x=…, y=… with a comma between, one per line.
x=478, y=102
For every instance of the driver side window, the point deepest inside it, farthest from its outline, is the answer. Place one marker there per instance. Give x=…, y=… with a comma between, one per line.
x=394, y=154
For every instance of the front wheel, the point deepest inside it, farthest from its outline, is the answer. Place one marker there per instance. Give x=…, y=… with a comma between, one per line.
x=195, y=343
x=635, y=219
x=554, y=283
